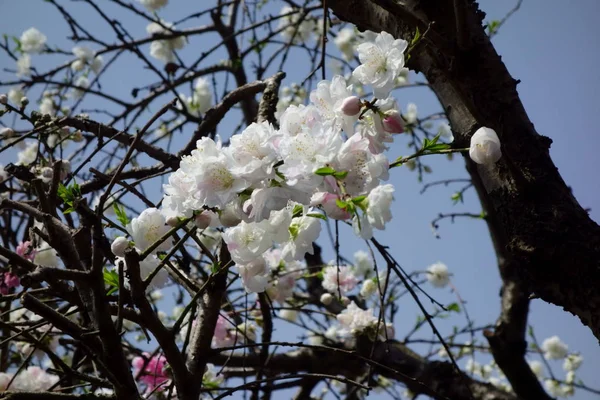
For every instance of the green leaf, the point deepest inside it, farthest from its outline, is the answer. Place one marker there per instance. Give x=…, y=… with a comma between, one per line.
x=297, y=211
x=111, y=279
x=325, y=171
x=438, y=147
x=416, y=38
x=358, y=199
x=493, y=27
x=453, y=307
x=317, y=215
x=341, y=204
x=340, y=174
x=120, y=213
x=68, y=195
x=456, y=197
x=530, y=331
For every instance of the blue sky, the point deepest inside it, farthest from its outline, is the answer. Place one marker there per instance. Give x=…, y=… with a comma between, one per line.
x=550, y=45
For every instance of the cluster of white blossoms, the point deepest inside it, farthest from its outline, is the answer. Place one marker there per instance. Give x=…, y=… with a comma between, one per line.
x=32, y=379
x=296, y=26
x=555, y=349
x=268, y=185
x=86, y=57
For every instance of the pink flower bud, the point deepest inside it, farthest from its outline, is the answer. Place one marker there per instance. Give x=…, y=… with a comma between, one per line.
x=351, y=106
x=205, y=219
x=392, y=122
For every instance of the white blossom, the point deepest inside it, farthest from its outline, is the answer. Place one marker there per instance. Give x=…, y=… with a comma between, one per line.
x=554, y=348
x=119, y=245
x=147, y=229
x=15, y=95
x=164, y=49
x=202, y=95
x=46, y=256
x=572, y=362
x=81, y=83
x=537, y=368
x=254, y=275
x=247, y=241
x=289, y=315
x=381, y=63
x=378, y=212
x=368, y=288
x=147, y=266
x=410, y=116
x=485, y=146
x=32, y=41
x=344, y=40
x=28, y=155
x=33, y=379
x=253, y=153
x=24, y=65
x=438, y=275
x=356, y=319
x=363, y=264
x=47, y=106
x=153, y=5
x=303, y=232
x=211, y=169
x=326, y=299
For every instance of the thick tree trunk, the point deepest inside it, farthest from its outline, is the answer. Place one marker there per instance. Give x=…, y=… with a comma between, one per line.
x=550, y=237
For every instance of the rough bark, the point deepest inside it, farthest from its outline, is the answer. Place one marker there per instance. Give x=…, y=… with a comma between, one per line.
x=550, y=236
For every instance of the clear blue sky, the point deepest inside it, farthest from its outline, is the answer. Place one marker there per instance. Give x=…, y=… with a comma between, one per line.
x=551, y=46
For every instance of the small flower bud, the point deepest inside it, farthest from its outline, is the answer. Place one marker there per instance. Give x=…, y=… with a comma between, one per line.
x=392, y=122
x=205, y=219
x=485, y=146
x=6, y=133
x=351, y=106
x=77, y=136
x=3, y=98
x=77, y=65
x=229, y=218
x=65, y=169
x=24, y=101
x=119, y=245
x=289, y=315
x=172, y=221
x=326, y=299
x=346, y=301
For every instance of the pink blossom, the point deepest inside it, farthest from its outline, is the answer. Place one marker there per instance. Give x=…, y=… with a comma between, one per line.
x=8, y=280
x=392, y=122
x=342, y=277
x=154, y=372
x=222, y=336
x=26, y=250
